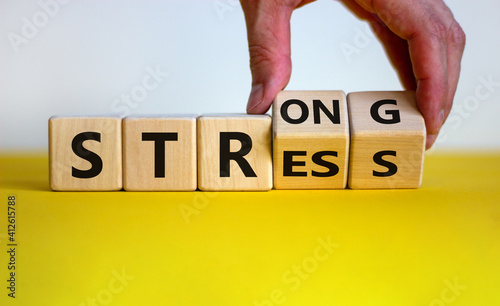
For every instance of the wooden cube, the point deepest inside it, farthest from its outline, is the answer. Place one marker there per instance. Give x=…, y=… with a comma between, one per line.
x=234, y=153
x=310, y=140
x=159, y=153
x=85, y=153
x=387, y=140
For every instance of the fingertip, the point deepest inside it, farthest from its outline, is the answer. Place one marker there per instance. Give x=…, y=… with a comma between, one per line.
x=257, y=102
x=255, y=98
x=430, y=140
x=440, y=119
x=431, y=101
x=258, y=109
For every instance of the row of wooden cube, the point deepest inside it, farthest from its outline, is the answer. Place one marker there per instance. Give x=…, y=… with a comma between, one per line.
x=315, y=140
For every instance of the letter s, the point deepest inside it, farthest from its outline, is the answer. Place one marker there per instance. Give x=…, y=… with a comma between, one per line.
x=391, y=168
x=93, y=158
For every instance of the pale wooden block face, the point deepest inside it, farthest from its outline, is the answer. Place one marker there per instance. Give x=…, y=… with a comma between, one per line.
x=310, y=140
x=85, y=162
x=165, y=160
x=387, y=140
x=246, y=167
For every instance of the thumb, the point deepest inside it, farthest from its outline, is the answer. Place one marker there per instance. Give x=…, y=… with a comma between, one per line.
x=268, y=30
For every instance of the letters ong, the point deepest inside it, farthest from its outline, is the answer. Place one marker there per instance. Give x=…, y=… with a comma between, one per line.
x=315, y=140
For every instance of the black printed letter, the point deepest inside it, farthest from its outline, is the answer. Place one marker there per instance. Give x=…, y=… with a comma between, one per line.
x=391, y=168
x=394, y=113
x=80, y=151
x=159, y=139
x=303, y=108
x=288, y=163
x=226, y=155
x=333, y=169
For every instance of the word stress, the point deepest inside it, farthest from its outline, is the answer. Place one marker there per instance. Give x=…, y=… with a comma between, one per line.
x=314, y=140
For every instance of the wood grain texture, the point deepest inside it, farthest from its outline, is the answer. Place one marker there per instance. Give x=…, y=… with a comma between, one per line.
x=310, y=136
x=177, y=167
x=377, y=146
x=62, y=158
x=259, y=158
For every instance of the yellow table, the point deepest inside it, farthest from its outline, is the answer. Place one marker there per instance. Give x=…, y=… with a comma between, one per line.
x=438, y=245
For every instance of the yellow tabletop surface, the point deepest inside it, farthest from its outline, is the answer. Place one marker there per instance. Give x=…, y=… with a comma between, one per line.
x=437, y=245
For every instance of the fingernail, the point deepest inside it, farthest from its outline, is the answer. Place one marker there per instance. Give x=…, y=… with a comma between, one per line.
x=255, y=98
x=441, y=118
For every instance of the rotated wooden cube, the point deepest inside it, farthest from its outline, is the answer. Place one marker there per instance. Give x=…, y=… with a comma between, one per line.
x=85, y=153
x=159, y=153
x=387, y=140
x=234, y=153
x=310, y=140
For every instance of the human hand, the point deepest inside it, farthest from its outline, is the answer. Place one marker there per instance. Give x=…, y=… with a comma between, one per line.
x=421, y=37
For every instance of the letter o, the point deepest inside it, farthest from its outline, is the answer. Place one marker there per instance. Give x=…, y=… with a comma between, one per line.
x=44, y=19
x=471, y=103
x=310, y=264
x=303, y=108
x=139, y=93
x=105, y=297
x=436, y=302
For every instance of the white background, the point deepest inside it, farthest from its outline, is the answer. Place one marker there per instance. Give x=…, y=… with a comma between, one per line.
x=88, y=54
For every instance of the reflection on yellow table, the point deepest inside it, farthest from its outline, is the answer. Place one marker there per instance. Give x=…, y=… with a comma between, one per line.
x=437, y=245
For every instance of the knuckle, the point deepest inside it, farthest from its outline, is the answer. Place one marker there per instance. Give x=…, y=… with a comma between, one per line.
x=266, y=59
x=267, y=63
x=437, y=29
x=457, y=35
x=260, y=54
